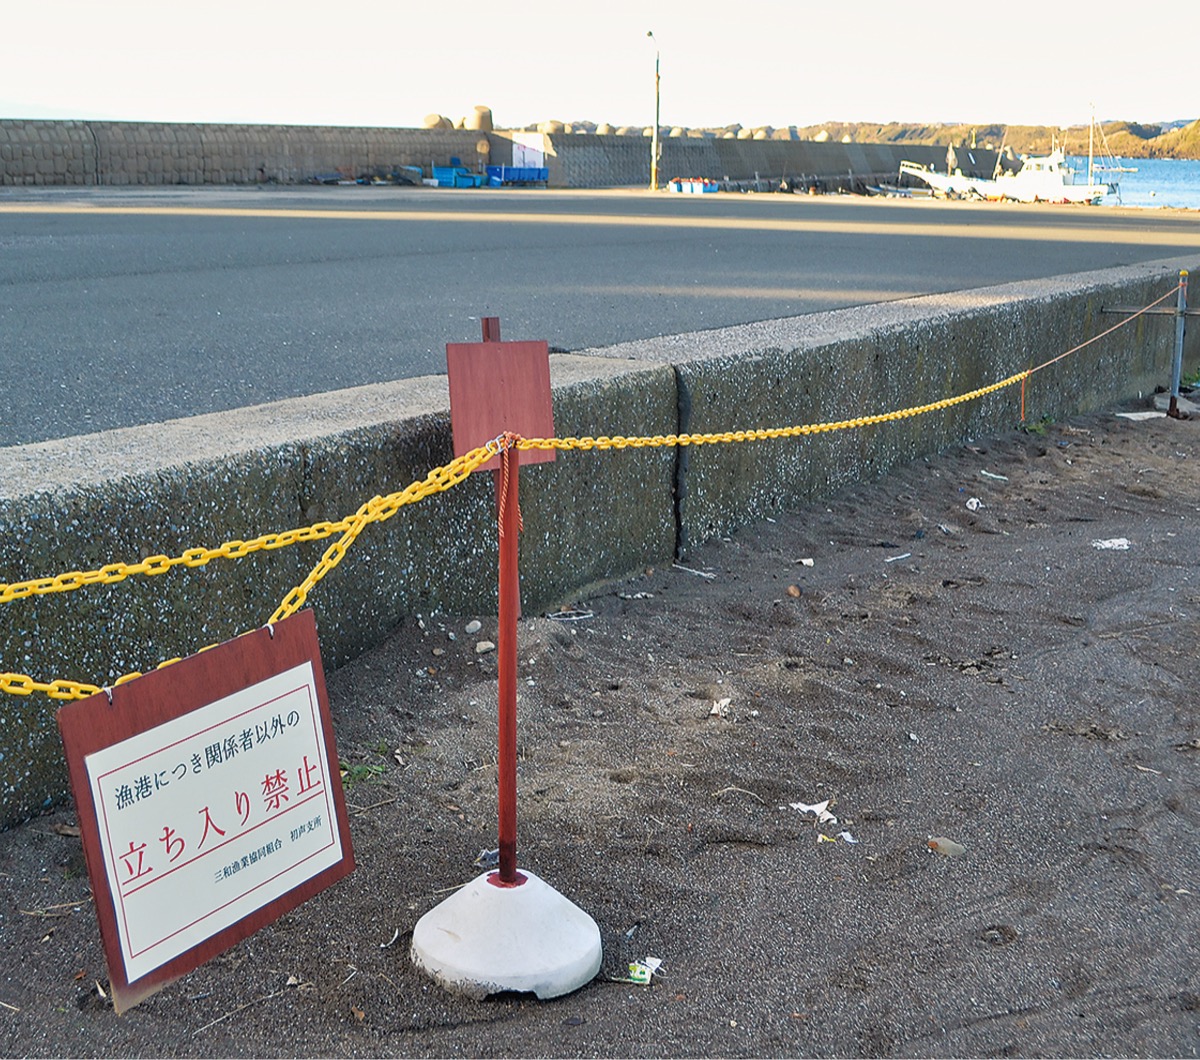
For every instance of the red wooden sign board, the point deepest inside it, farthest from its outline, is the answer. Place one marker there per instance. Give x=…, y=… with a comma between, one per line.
x=496, y=387
x=209, y=800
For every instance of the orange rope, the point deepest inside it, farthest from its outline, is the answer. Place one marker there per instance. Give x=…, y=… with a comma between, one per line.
x=1107, y=331
x=508, y=445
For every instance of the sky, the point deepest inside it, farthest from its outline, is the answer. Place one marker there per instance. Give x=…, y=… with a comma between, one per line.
x=721, y=61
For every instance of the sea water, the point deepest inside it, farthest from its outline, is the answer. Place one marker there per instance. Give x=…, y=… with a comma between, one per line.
x=1158, y=182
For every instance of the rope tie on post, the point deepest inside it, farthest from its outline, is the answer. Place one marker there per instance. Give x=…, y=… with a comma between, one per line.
x=508, y=443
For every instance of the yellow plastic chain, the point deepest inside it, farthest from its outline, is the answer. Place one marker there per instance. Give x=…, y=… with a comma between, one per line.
x=375, y=510
x=436, y=481
x=763, y=434
x=440, y=479
x=380, y=509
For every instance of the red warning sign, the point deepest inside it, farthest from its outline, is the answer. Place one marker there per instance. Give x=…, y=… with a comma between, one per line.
x=209, y=800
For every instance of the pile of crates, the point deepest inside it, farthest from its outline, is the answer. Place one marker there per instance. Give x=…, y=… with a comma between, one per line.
x=693, y=185
x=498, y=176
x=456, y=177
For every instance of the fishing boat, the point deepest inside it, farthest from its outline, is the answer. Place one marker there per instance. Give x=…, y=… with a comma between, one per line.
x=1040, y=178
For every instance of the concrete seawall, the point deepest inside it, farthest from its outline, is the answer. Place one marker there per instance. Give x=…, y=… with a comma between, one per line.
x=606, y=161
x=81, y=503
x=155, y=153
x=72, y=153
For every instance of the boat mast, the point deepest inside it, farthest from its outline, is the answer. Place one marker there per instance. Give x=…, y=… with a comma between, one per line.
x=1091, y=136
x=998, y=167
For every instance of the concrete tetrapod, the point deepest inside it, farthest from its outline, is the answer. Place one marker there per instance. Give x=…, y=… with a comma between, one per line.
x=489, y=937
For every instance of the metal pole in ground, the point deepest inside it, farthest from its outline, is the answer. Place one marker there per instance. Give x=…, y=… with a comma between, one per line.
x=1177, y=364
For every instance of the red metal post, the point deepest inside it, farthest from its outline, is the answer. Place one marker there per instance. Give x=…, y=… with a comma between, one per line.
x=510, y=609
x=491, y=329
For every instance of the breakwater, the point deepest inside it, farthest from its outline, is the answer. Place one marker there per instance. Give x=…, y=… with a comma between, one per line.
x=74, y=153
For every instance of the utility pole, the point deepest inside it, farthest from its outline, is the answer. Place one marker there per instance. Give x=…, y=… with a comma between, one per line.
x=654, y=135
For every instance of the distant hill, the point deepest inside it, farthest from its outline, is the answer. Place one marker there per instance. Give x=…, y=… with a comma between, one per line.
x=1128, y=140
x=1125, y=138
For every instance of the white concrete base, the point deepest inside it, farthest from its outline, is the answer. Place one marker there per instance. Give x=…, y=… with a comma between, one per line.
x=484, y=939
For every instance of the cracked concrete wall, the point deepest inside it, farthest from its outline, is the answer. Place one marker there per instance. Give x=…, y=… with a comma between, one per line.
x=80, y=503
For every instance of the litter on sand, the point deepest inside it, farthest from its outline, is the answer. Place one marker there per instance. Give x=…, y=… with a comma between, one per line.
x=974, y=504
x=820, y=810
x=946, y=847
x=488, y=859
x=387, y=945
x=845, y=837
x=1113, y=544
x=989, y=474
x=720, y=708
x=641, y=972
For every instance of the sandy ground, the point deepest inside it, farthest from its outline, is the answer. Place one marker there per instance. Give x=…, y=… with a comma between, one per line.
x=985, y=675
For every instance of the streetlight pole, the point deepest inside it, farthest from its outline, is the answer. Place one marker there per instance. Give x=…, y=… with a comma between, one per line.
x=654, y=134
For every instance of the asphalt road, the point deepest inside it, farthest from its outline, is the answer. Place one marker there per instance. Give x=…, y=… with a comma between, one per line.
x=129, y=306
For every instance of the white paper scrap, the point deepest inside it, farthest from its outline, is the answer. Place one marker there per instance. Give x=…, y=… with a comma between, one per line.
x=820, y=810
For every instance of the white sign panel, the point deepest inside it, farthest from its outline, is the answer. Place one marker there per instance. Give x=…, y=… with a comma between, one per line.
x=208, y=817
x=527, y=150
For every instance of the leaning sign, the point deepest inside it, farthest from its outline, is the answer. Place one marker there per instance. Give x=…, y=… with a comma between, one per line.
x=209, y=801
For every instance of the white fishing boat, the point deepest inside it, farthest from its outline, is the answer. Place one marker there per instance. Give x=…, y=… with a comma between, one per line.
x=1040, y=178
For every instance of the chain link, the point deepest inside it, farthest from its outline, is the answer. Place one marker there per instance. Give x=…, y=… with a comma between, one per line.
x=20, y=685
x=152, y=566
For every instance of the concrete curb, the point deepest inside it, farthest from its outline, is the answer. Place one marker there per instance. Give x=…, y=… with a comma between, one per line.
x=82, y=502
